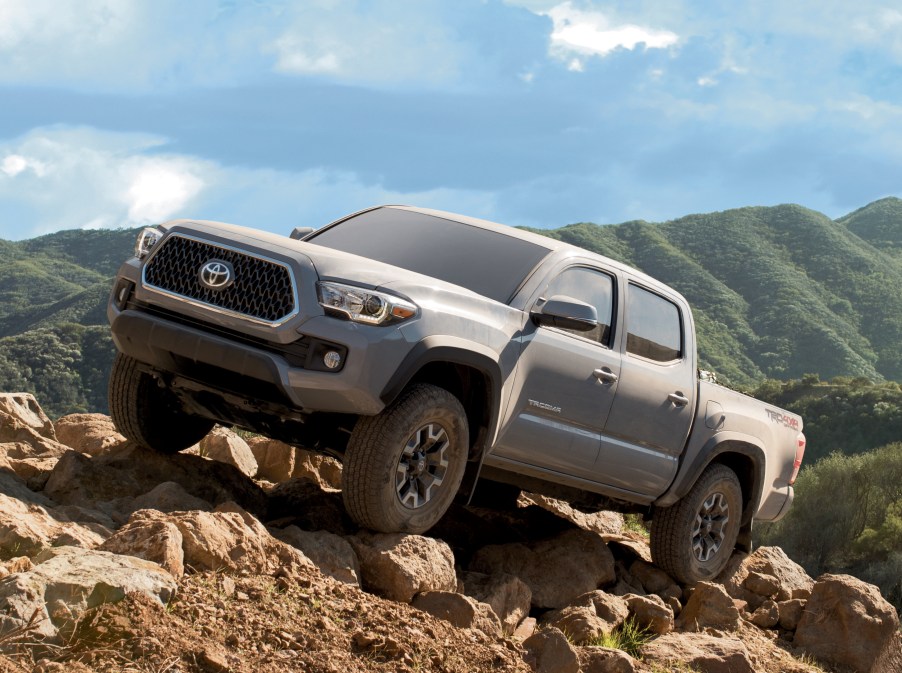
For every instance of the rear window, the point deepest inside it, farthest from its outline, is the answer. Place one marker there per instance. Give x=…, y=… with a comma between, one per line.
x=654, y=330
x=486, y=262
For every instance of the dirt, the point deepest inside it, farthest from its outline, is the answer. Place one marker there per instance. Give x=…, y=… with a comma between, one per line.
x=309, y=623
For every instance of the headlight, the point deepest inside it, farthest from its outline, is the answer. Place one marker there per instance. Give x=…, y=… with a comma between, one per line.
x=148, y=238
x=366, y=306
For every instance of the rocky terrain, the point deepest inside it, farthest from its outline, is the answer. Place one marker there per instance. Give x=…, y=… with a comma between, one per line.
x=237, y=556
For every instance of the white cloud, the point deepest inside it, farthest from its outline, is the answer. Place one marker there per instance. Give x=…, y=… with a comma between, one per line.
x=98, y=179
x=592, y=33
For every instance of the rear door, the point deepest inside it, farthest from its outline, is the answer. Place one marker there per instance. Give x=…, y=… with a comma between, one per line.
x=565, y=382
x=652, y=414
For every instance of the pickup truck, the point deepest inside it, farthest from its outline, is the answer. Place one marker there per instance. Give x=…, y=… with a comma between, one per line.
x=430, y=352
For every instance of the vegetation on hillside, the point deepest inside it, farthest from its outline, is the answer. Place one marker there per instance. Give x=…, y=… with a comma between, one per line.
x=847, y=517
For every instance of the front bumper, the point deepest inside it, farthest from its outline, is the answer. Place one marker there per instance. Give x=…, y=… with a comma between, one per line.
x=247, y=370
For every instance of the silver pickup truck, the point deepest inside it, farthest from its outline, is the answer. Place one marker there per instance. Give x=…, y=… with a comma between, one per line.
x=432, y=352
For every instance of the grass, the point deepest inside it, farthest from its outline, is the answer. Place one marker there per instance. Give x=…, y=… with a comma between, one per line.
x=629, y=637
x=634, y=523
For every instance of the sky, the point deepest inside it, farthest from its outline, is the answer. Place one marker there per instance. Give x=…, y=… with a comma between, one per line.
x=275, y=114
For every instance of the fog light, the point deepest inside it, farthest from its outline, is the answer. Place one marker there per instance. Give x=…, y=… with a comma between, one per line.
x=332, y=359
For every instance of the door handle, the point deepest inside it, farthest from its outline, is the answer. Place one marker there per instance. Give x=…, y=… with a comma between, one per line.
x=678, y=399
x=605, y=375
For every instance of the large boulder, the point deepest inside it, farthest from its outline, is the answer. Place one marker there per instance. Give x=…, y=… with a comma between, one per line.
x=279, y=462
x=597, y=522
x=766, y=573
x=507, y=595
x=28, y=445
x=548, y=651
x=230, y=539
x=66, y=581
x=700, y=652
x=709, y=606
x=654, y=580
x=170, y=497
x=26, y=528
x=557, y=570
x=461, y=611
x=332, y=554
x=227, y=446
x=94, y=434
x=848, y=623
x=130, y=471
x=151, y=540
x=398, y=566
x=23, y=420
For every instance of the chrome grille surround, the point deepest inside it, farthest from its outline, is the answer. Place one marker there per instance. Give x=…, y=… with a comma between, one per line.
x=264, y=290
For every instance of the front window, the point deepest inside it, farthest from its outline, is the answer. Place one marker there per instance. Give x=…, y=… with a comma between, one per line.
x=487, y=262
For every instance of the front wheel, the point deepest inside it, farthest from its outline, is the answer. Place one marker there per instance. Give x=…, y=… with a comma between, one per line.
x=148, y=414
x=403, y=467
x=694, y=539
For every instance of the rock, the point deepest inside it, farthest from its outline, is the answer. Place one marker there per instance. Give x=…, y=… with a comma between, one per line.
x=23, y=420
x=170, y=497
x=709, y=606
x=655, y=580
x=226, y=446
x=305, y=504
x=331, y=553
x=275, y=459
x=605, y=660
x=608, y=523
x=767, y=616
x=398, y=566
x=763, y=585
x=26, y=529
x=231, y=539
x=279, y=462
x=557, y=570
x=93, y=434
x=579, y=622
x=525, y=629
x=151, y=540
x=19, y=564
x=324, y=470
x=589, y=616
x=650, y=612
x=549, y=652
x=461, y=611
x=28, y=462
x=508, y=596
x=66, y=581
x=700, y=652
x=131, y=470
x=846, y=622
x=771, y=564
x=790, y=613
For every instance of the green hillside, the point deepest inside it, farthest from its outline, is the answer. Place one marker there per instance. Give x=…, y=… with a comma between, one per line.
x=777, y=292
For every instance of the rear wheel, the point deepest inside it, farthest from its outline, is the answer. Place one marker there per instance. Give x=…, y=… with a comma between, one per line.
x=694, y=539
x=149, y=414
x=403, y=467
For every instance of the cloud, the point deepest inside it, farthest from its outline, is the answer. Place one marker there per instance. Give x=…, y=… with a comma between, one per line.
x=589, y=33
x=78, y=177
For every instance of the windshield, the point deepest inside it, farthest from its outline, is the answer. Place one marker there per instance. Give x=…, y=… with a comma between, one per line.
x=484, y=261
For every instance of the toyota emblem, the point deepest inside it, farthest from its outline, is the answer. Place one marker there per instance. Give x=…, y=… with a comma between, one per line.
x=216, y=274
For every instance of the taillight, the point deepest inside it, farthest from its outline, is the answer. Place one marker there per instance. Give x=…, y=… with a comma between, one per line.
x=797, y=463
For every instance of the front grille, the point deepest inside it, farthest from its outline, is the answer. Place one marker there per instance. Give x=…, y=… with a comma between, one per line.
x=262, y=289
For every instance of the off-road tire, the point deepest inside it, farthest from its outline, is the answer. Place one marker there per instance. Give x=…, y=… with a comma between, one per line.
x=373, y=460
x=673, y=529
x=148, y=414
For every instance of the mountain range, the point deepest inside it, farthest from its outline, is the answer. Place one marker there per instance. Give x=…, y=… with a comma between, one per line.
x=777, y=292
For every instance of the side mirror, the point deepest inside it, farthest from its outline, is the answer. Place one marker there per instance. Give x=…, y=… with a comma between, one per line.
x=566, y=312
x=300, y=232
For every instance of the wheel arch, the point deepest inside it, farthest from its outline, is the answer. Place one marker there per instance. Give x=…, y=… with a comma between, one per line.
x=468, y=370
x=742, y=454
